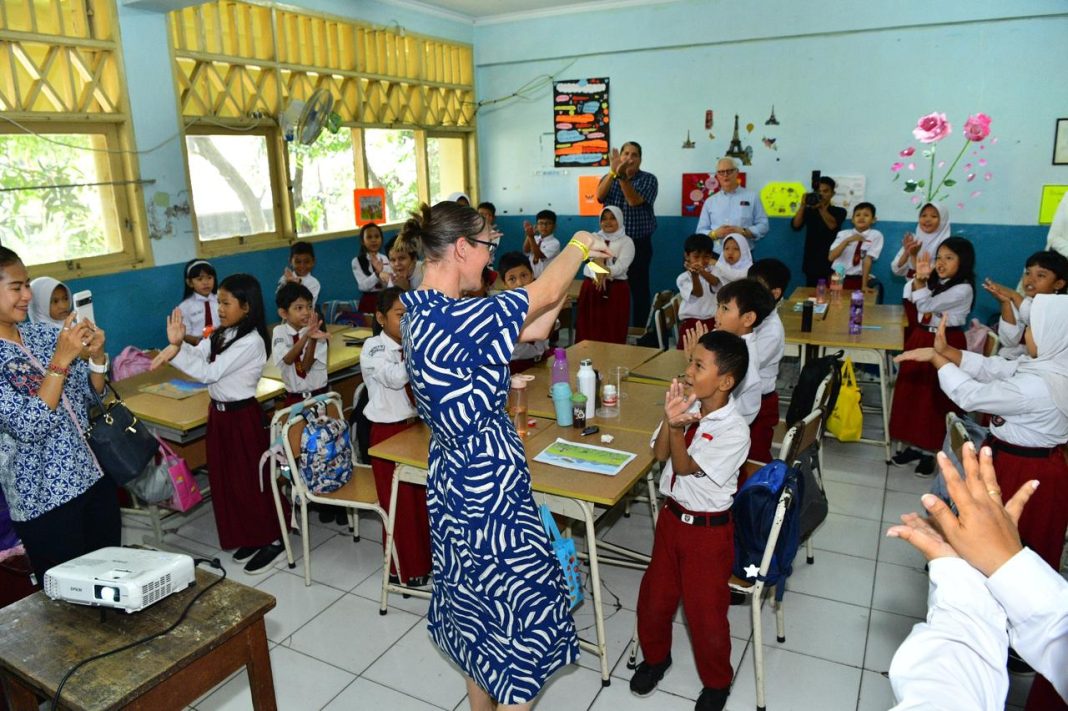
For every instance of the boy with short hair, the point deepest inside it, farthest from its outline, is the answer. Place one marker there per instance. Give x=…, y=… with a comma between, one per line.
x=540, y=243
x=771, y=345
x=301, y=263
x=698, y=293
x=516, y=273
x=853, y=251
x=703, y=441
x=741, y=307
x=298, y=345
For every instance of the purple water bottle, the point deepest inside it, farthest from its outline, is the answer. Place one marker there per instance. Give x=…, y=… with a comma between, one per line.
x=856, y=313
x=560, y=373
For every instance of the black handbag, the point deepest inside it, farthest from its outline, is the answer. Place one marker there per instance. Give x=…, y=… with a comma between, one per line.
x=122, y=443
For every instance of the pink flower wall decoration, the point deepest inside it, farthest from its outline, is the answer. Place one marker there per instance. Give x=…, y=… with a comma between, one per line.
x=932, y=128
x=977, y=127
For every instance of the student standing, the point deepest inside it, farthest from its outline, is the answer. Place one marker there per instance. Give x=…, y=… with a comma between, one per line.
x=604, y=299
x=301, y=263
x=742, y=307
x=1045, y=273
x=932, y=229
x=770, y=348
x=200, y=305
x=299, y=348
x=854, y=251
x=539, y=241
x=370, y=267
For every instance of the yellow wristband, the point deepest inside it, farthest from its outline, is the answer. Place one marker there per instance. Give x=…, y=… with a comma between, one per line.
x=584, y=248
x=611, y=174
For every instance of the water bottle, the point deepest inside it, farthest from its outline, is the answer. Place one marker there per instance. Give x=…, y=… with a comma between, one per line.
x=836, y=288
x=587, y=385
x=821, y=291
x=561, y=394
x=517, y=398
x=856, y=313
x=561, y=373
x=578, y=410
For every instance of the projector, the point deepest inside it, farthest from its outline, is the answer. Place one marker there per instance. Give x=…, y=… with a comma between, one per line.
x=127, y=579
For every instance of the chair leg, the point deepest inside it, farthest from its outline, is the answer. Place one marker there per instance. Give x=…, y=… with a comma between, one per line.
x=282, y=523
x=885, y=405
x=758, y=645
x=810, y=554
x=632, y=657
x=650, y=482
x=354, y=524
x=780, y=622
x=304, y=540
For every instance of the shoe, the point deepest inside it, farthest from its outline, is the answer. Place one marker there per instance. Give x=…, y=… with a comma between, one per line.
x=925, y=467
x=906, y=456
x=419, y=581
x=326, y=513
x=244, y=553
x=265, y=556
x=712, y=699
x=341, y=517
x=647, y=676
x=738, y=598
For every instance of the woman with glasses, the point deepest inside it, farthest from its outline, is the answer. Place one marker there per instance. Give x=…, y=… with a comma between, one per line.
x=499, y=605
x=733, y=210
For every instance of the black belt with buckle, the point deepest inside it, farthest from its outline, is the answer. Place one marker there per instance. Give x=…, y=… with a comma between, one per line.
x=235, y=405
x=721, y=518
x=1018, y=450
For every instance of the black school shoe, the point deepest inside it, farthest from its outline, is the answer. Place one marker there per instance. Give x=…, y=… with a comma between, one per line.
x=647, y=676
x=906, y=456
x=926, y=466
x=265, y=556
x=712, y=699
x=244, y=553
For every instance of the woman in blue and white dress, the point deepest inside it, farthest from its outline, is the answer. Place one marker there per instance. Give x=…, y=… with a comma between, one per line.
x=499, y=606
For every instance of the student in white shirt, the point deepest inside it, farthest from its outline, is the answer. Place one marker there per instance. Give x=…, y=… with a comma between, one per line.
x=770, y=347
x=742, y=307
x=604, y=299
x=370, y=267
x=697, y=294
x=539, y=241
x=51, y=301
x=301, y=263
x=1045, y=273
x=854, y=251
x=987, y=591
x=391, y=409
x=200, y=305
x=703, y=442
x=516, y=273
x=298, y=344
x=944, y=289
x=932, y=229
x=406, y=271
x=230, y=362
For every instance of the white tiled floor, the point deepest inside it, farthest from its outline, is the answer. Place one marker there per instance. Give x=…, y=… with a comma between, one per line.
x=845, y=616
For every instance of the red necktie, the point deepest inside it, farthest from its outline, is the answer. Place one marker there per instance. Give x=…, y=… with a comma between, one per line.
x=299, y=363
x=209, y=324
x=856, y=254
x=925, y=320
x=688, y=438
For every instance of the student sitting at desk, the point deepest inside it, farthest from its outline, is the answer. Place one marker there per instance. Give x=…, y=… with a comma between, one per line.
x=298, y=346
x=516, y=274
x=703, y=441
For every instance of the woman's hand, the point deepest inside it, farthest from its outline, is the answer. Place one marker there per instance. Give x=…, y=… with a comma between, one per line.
x=164, y=356
x=923, y=537
x=597, y=246
x=74, y=339
x=96, y=343
x=175, y=328
x=677, y=406
x=923, y=266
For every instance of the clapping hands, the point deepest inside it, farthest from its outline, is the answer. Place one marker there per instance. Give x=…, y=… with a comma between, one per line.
x=923, y=266
x=677, y=405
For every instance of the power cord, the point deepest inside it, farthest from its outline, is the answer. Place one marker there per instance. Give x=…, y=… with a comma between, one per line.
x=213, y=562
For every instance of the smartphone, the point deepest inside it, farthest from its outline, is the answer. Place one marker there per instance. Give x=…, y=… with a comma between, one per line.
x=83, y=306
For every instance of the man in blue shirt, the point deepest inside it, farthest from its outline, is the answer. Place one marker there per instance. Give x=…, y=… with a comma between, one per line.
x=633, y=191
x=734, y=209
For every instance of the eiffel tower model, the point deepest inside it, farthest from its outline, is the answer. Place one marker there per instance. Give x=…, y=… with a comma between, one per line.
x=735, y=150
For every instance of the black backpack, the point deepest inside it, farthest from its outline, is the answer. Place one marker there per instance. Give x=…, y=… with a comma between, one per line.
x=360, y=428
x=804, y=396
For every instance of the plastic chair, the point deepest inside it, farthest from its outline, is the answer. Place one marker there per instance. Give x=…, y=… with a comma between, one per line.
x=358, y=494
x=411, y=475
x=667, y=322
x=634, y=333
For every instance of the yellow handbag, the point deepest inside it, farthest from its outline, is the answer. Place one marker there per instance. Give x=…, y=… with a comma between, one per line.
x=847, y=421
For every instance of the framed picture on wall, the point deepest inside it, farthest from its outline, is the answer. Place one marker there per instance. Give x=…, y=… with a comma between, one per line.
x=1060, y=142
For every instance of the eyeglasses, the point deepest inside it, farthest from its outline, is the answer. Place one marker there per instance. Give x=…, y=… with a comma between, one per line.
x=492, y=246
x=726, y=172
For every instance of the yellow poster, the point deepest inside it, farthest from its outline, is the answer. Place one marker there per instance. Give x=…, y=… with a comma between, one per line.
x=781, y=199
x=1051, y=198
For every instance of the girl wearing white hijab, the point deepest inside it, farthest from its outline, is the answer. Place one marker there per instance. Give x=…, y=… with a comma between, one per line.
x=457, y=197
x=735, y=261
x=604, y=300
x=50, y=302
x=1028, y=401
x=932, y=229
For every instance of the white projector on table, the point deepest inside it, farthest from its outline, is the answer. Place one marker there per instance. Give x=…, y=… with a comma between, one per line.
x=127, y=579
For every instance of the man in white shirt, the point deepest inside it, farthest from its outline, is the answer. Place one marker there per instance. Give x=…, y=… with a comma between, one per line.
x=734, y=209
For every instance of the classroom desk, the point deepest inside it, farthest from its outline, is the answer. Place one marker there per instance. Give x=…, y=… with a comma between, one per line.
x=804, y=292
x=40, y=639
x=661, y=368
x=567, y=492
x=339, y=356
x=641, y=405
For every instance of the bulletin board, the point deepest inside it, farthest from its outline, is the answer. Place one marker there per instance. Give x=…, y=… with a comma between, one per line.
x=697, y=187
x=1051, y=199
x=580, y=122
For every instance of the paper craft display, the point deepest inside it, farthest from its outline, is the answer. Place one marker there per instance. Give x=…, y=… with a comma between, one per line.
x=587, y=195
x=696, y=187
x=585, y=457
x=848, y=191
x=781, y=199
x=580, y=122
x=174, y=389
x=597, y=268
x=1051, y=198
x=370, y=205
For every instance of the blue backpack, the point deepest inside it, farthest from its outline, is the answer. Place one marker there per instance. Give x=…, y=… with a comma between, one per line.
x=754, y=513
x=325, y=452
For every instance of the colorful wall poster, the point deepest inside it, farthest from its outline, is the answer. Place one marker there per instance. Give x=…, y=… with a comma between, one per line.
x=1051, y=198
x=848, y=191
x=580, y=122
x=781, y=199
x=587, y=195
x=370, y=205
x=696, y=187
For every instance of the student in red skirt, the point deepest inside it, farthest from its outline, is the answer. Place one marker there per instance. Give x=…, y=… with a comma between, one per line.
x=391, y=410
x=932, y=230
x=855, y=250
x=230, y=362
x=370, y=267
x=770, y=338
x=944, y=290
x=1028, y=398
x=516, y=273
x=604, y=300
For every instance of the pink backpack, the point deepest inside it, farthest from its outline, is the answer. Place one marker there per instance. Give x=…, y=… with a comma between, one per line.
x=131, y=361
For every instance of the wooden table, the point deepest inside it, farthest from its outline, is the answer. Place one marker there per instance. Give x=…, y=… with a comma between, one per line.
x=41, y=639
x=661, y=368
x=641, y=406
x=805, y=292
x=567, y=492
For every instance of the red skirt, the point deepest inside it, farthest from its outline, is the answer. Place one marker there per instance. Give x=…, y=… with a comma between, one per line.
x=369, y=302
x=762, y=430
x=852, y=283
x=411, y=526
x=244, y=515
x=918, y=411
x=688, y=324
x=1045, y=518
x=603, y=315
x=912, y=319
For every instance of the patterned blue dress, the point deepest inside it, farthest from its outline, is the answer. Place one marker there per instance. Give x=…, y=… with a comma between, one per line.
x=499, y=606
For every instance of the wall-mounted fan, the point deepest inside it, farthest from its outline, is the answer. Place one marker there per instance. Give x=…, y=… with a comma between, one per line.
x=303, y=121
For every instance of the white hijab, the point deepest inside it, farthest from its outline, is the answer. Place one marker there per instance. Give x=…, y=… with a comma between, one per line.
x=456, y=196
x=609, y=236
x=1049, y=327
x=929, y=241
x=746, y=260
x=41, y=300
